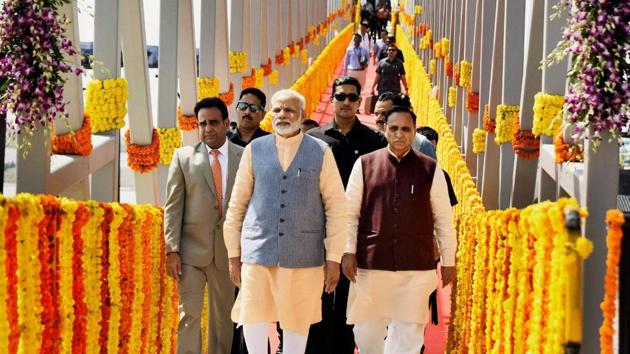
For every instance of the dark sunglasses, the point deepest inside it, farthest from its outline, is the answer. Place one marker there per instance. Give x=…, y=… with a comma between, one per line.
x=353, y=97
x=391, y=50
x=253, y=107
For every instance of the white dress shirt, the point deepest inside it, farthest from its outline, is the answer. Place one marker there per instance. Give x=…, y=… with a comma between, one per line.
x=223, y=160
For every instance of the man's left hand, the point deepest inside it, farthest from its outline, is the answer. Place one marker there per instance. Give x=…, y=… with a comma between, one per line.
x=448, y=275
x=331, y=276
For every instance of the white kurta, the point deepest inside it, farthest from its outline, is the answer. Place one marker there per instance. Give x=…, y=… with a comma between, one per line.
x=401, y=295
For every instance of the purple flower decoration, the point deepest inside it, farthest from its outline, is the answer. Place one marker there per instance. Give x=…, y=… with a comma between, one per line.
x=33, y=46
x=598, y=93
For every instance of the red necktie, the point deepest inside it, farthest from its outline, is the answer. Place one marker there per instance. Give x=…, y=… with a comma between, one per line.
x=216, y=175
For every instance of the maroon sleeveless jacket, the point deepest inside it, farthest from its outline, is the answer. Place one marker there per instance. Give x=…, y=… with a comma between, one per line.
x=396, y=224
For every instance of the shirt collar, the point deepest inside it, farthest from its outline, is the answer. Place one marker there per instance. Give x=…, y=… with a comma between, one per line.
x=223, y=150
x=289, y=141
x=394, y=155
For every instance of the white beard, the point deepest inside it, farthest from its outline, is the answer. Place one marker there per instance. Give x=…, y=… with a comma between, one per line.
x=287, y=129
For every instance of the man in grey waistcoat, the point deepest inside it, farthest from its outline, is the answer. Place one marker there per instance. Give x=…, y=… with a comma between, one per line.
x=285, y=229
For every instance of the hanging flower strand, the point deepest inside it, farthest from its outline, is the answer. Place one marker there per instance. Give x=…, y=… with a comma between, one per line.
x=33, y=53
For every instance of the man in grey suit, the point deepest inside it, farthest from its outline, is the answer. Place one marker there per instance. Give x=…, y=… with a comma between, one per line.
x=199, y=186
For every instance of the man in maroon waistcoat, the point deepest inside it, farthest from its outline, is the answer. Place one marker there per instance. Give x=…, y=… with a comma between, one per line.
x=398, y=198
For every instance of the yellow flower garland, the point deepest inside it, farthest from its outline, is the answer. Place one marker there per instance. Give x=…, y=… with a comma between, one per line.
x=547, y=114
x=4, y=322
x=207, y=87
x=259, y=75
x=286, y=54
x=304, y=56
x=29, y=305
x=417, y=10
x=113, y=278
x=66, y=301
x=170, y=139
x=138, y=296
x=432, y=66
x=444, y=46
x=274, y=78
x=479, y=141
x=156, y=302
x=506, y=114
x=106, y=103
x=437, y=50
x=452, y=96
x=465, y=74
x=238, y=62
x=92, y=251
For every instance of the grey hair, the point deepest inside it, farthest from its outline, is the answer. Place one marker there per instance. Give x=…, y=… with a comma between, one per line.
x=287, y=93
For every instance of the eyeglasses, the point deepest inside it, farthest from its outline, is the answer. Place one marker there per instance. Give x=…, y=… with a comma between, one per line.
x=253, y=107
x=353, y=97
x=391, y=50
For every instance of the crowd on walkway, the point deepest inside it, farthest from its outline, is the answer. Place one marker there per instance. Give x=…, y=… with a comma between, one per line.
x=333, y=232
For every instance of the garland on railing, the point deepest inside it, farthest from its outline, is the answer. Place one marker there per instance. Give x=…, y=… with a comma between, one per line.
x=143, y=158
x=432, y=66
x=260, y=74
x=249, y=81
x=524, y=142
x=444, y=47
x=465, y=74
x=317, y=76
x=456, y=73
x=74, y=143
x=207, y=87
x=238, y=62
x=452, y=97
x=479, y=141
x=274, y=78
x=186, y=122
x=506, y=115
x=228, y=97
x=547, y=114
x=106, y=103
x=615, y=221
x=61, y=259
x=566, y=152
x=488, y=123
x=472, y=102
x=304, y=56
x=506, y=299
x=267, y=68
x=449, y=67
x=170, y=139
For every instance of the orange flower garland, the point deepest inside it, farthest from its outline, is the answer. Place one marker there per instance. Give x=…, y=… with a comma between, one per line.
x=472, y=102
x=78, y=287
x=280, y=59
x=615, y=220
x=488, y=124
x=267, y=68
x=525, y=143
x=249, y=81
x=143, y=158
x=228, y=97
x=456, y=73
x=74, y=143
x=449, y=67
x=566, y=152
x=106, y=226
x=146, y=234
x=47, y=246
x=11, y=266
x=127, y=283
x=186, y=122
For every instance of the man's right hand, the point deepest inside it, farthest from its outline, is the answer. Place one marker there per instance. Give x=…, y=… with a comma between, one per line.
x=349, y=266
x=235, y=271
x=173, y=265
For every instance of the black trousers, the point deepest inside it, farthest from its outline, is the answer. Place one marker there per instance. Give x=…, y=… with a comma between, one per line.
x=332, y=335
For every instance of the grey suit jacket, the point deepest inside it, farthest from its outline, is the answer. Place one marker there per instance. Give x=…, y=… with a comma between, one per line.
x=192, y=225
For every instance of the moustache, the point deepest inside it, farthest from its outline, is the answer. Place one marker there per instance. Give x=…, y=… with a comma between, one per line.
x=247, y=117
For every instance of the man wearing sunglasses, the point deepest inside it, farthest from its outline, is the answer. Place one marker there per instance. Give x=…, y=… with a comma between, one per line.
x=348, y=139
x=250, y=111
x=389, y=73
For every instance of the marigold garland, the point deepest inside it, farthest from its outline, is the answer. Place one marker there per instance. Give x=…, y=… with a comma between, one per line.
x=266, y=68
x=238, y=62
x=106, y=227
x=143, y=158
x=445, y=43
x=207, y=87
x=74, y=143
x=566, y=152
x=228, y=97
x=114, y=277
x=506, y=115
x=106, y=104
x=92, y=235
x=456, y=73
x=170, y=139
x=615, y=221
x=465, y=74
x=279, y=59
x=547, y=114
x=186, y=122
x=437, y=50
x=126, y=255
x=304, y=56
x=524, y=142
x=79, y=330
x=472, y=102
x=452, y=96
x=479, y=141
x=274, y=78
x=4, y=317
x=417, y=10
x=260, y=74
x=432, y=66
x=449, y=67
x=66, y=278
x=488, y=123
x=249, y=81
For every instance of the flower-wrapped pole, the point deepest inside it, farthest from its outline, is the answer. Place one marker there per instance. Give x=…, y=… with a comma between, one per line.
x=207, y=87
x=74, y=143
x=452, y=97
x=170, y=139
x=506, y=115
x=547, y=114
x=238, y=62
x=615, y=221
x=488, y=123
x=186, y=122
x=479, y=141
x=106, y=103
